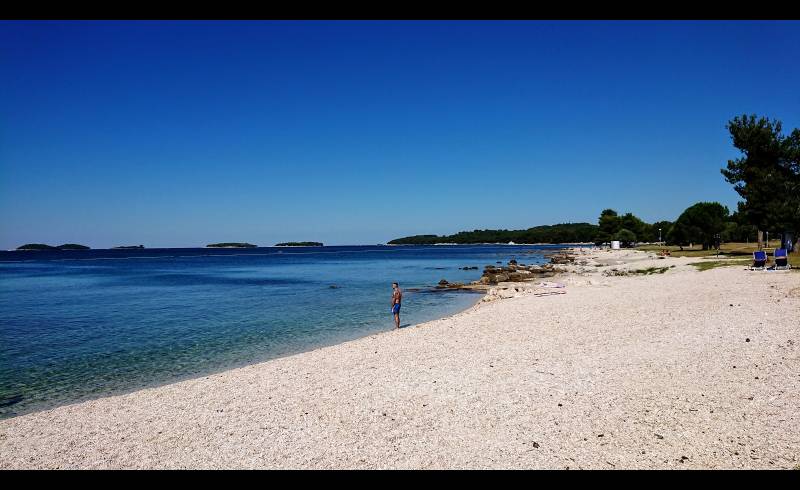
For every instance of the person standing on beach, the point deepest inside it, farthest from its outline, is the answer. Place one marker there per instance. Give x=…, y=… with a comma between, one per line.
x=397, y=296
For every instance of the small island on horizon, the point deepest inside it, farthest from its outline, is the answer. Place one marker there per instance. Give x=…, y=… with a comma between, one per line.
x=299, y=244
x=42, y=246
x=231, y=245
x=128, y=247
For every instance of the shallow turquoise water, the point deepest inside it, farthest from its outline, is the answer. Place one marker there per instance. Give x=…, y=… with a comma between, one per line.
x=81, y=324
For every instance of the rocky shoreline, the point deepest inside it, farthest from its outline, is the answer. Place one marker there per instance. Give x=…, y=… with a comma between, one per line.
x=571, y=266
x=515, y=276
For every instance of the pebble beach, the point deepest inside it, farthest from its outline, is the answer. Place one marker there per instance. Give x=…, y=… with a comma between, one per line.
x=620, y=370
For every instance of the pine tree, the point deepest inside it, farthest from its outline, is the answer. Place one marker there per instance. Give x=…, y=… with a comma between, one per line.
x=767, y=176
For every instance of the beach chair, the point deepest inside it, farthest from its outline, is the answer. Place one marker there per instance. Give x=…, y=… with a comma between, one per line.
x=759, y=260
x=781, y=257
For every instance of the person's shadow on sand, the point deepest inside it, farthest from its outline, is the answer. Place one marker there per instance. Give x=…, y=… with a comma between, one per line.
x=405, y=325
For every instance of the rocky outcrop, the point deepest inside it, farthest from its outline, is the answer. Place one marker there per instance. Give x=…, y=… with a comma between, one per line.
x=562, y=258
x=444, y=284
x=513, y=272
x=516, y=272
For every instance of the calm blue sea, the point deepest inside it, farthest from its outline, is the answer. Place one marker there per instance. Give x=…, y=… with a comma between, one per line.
x=82, y=324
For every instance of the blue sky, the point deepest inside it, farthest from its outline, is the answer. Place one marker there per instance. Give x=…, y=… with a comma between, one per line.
x=187, y=133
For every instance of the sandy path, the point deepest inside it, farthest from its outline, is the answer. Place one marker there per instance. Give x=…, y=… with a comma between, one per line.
x=637, y=372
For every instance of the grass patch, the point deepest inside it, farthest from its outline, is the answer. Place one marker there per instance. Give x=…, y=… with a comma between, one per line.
x=730, y=249
x=704, y=266
x=713, y=264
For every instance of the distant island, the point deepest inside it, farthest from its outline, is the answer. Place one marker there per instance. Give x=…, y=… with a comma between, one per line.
x=299, y=244
x=72, y=246
x=36, y=246
x=128, y=246
x=42, y=246
x=560, y=233
x=231, y=245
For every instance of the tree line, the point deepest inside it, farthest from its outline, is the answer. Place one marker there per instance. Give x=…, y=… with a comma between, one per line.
x=766, y=176
x=704, y=223
x=560, y=233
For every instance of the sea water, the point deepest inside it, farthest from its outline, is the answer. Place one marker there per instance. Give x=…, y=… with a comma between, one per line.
x=81, y=324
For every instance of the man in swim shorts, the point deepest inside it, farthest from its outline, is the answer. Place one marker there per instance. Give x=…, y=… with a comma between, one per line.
x=397, y=296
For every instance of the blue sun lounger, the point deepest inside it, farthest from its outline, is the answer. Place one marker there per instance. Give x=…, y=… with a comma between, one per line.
x=781, y=258
x=759, y=259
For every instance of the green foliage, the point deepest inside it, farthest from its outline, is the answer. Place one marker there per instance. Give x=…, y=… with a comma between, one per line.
x=713, y=264
x=418, y=240
x=560, y=233
x=767, y=176
x=699, y=224
x=737, y=229
x=42, y=246
x=626, y=237
x=36, y=246
x=633, y=224
x=653, y=235
x=602, y=237
x=609, y=223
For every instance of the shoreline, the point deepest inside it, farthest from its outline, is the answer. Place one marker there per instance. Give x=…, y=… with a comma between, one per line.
x=204, y=373
x=32, y=404
x=53, y=405
x=427, y=397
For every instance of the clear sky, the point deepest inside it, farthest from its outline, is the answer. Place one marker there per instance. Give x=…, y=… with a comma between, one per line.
x=187, y=133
